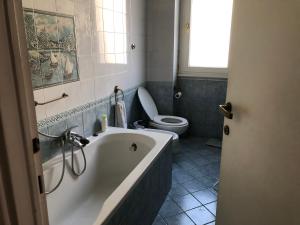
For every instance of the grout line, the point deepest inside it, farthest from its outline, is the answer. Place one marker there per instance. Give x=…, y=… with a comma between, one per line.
x=163, y=218
x=190, y=218
x=210, y=222
x=208, y=208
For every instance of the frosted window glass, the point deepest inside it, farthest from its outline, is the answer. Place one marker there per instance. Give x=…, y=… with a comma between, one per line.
x=108, y=20
x=210, y=33
x=119, y=43
x=111, y=21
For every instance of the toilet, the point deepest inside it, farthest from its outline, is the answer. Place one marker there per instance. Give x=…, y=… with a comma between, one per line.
x=163, y=122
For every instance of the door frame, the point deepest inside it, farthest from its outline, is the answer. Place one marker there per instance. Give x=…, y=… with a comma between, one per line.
x=22, y=197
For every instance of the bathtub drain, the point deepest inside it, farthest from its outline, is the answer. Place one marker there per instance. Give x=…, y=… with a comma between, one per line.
x=133, y=147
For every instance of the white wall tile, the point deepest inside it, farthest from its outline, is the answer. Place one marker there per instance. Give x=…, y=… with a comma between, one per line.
x=84, y=44
x=83, y=14
x=98, y=43
x=160, y=29
x=138, y=17
x=87, y=91
x=74, y=92
x=40, y=110
x=57, y=106
x=45, y=5
x=102, y=68
x=27, y=3
x=98, y=3
x=97, y=19
x=65, y=6
x=86, y=67
x=103, y=86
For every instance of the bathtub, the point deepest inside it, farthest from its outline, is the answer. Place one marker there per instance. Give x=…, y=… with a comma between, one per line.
x=119, y=186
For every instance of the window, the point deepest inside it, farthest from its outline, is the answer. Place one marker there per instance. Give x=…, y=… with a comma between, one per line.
x=205, y=36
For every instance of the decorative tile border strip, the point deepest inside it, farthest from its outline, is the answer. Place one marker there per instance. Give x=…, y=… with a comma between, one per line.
x=67, y=114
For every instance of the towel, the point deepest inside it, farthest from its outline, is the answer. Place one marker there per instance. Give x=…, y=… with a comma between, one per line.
x=120, y=115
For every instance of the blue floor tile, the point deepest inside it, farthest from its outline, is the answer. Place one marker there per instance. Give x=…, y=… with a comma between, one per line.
x=159, y=221
x=194, y=186
x=200, y=215
x=208, y=181
x=169, y=208
x=187, y=164
x=212, y=207
x=187, y=202
x=181, y=219
x=205, y=196
x=181, y=176
x=178, y=190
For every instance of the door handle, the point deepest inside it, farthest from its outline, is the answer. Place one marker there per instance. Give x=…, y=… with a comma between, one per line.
x=226, y=110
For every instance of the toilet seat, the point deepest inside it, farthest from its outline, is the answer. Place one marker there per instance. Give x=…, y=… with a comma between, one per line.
x=177, y=129
x=164, y=122
x=147, y=103
x=170, y=120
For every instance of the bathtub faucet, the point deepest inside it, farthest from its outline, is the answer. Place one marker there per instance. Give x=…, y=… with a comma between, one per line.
x=78, y=141
x=74, y=138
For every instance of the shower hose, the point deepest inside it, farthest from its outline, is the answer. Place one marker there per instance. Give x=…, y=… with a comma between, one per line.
x=63, y=150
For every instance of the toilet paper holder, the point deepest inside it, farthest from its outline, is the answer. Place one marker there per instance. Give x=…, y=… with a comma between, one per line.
x=178, y=95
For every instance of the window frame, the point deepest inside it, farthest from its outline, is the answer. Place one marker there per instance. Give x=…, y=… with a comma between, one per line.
x=184, y=70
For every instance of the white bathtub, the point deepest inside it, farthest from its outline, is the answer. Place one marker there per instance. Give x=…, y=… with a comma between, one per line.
x=112, y=170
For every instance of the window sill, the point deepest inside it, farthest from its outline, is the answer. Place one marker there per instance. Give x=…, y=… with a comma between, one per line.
x=203, y=74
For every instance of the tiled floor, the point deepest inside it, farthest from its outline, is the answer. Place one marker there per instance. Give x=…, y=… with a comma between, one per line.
x=192, y=199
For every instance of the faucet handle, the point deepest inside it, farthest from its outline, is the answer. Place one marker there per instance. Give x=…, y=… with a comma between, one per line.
x=72, y=136
x=67, y=132
x=71, y=128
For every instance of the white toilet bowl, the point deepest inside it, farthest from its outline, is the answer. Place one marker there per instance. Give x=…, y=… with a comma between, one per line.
x=170, y=123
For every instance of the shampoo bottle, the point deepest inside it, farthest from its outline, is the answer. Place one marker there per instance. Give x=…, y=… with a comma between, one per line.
x=104, y=123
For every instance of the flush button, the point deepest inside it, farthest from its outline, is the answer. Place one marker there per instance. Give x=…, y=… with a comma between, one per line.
x=226, y=130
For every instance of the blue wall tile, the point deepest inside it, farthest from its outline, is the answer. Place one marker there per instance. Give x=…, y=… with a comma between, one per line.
x=99, y=111
x=89, y=122
x=44, y=145
x=76, y=120
x=199, y=104
x=50, y=148
x=162, y=93
x=133, y=108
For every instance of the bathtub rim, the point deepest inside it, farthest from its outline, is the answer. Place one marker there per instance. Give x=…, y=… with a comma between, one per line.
x=56, y=160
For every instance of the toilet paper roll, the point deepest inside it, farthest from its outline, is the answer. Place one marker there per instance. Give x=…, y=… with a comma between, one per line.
x=178, y=95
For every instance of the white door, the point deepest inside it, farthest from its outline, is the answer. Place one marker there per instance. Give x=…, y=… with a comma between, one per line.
x=260, y=168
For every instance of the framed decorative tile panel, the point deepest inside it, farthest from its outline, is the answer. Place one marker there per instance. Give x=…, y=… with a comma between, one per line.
x=51, y=44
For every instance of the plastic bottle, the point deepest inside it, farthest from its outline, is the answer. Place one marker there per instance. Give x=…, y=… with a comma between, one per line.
x=104, y=123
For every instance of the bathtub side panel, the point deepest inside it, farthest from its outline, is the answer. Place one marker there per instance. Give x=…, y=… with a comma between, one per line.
x=145, y=199
x=165, y=181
